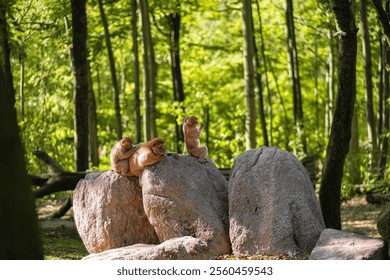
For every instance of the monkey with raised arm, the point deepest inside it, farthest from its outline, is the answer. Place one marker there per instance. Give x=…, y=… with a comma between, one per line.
x=120, y=154
x=147, y=154
x=191, y=138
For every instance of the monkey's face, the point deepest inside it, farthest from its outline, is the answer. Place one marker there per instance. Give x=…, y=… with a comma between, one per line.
x=158, y=148
x=191, y=121
x=126, y=143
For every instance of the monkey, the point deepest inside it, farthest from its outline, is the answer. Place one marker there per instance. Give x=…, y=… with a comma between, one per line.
x=191, y=138
x=120, y=154
x=147, y=154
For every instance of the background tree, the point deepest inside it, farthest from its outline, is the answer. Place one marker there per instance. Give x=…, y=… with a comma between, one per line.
x=80, y=72
x=249, y=73
x=178, y=88
x=19, y=237
x=150, y=130
x=115, y=85
x=367, y=56
x=211, y=65
x=293, y=60
x=136, y=74
x=5, y=49
x=338, y=146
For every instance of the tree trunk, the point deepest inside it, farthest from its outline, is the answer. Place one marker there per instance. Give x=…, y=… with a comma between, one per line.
x=383, y=18
x=118, y=115
x=93, y=131
x=265, y=67
x=257, y=77
x=137, y=102
x=384, y=144
x=178, y=89
x=353, y=159
x=80, y=73
x=19, y=236
x=250, y=106
x=21, y=82
x=329, y=106
x=150, y=130
x=5, y=49
x=340, y=134
x=370, y=114
x=294, y=75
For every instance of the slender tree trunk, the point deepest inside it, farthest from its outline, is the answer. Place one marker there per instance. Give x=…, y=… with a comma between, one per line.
x=250, y=118
x=283, y=108
x=380, y=86
x=384, y=144
x=265, y=67
x=259, y=84
x=21, y=82
x=19, y=236
x=5, y=49
x=294, y=74
x=150, y=130
x=329, y=107
x=80, y=73
x=178, y=88
x=207, y=124
x=384, y=89
x=118, y=115
x=93, y=131
x=383, y=18
x=137, y=102
x=366, y=47
x=340, y=134
x=353, y=159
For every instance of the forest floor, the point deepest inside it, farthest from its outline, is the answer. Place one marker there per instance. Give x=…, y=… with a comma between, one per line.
x=61, y=240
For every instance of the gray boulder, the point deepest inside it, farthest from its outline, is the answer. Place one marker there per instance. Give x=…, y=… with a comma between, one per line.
x=109, y=213
x=272, y=205
x=183, y=197
x=182, y=248
x=341, y=245
x=384, y=225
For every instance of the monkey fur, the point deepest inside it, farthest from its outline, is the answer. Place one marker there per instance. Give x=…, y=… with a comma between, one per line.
x=120, y=154
x=191, y=138
x=147, y=154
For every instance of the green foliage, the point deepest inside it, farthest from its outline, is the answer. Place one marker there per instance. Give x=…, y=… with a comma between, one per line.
x=211, y=49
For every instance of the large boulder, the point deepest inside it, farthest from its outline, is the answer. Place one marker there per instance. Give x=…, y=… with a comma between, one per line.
x=183, y=197
x=272, y=205
x=109, y=213
x=341, y=245
x=384, y=225
x=180, y=248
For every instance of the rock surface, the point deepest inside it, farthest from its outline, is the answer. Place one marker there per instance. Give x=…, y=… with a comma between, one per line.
x=183, y=197
x=108, y=211
x=384, y=225
x=272, y=205
x=182, y=248
x=340, y=245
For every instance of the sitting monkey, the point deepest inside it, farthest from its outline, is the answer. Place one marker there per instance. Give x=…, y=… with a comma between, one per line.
x=147, y=154
x=120, y=154
x=191, y=138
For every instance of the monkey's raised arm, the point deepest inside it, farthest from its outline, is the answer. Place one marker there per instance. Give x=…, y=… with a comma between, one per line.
x=124, y=154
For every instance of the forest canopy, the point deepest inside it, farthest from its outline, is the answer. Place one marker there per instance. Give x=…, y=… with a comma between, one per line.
x=196, y=58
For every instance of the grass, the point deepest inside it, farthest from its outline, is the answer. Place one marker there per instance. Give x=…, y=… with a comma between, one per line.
x=62, y=242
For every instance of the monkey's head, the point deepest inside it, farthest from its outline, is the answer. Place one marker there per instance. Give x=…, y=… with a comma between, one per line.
x=126, y=142
x=158, y=147
x=191, y=121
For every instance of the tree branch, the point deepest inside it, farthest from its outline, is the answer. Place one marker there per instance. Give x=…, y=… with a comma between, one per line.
x=383, y=19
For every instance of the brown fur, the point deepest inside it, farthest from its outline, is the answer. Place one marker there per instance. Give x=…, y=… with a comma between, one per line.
x=120, y=154
x=191, y=138
x=147, y=154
